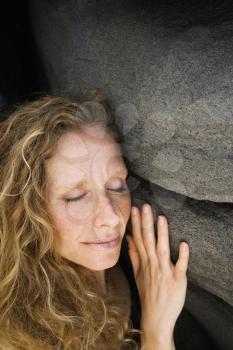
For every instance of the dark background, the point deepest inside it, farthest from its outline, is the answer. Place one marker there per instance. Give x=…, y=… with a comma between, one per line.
x=21, y=72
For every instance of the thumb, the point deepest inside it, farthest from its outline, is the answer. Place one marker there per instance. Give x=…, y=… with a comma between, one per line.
x=133, y=254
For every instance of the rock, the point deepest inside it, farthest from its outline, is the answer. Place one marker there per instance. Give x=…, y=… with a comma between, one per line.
x=172, y=62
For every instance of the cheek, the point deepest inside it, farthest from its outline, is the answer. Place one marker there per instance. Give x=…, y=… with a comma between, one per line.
x=124, y=205
x=66, y=233
x=60, y=218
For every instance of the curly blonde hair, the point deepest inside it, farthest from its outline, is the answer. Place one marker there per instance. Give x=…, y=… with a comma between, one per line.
x=47, y=301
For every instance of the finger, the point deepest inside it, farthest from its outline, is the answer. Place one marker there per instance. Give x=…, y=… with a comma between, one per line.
x=133, y=254
x=163, y=247
x=148, y=233
x=182, y=262
x=137, y=234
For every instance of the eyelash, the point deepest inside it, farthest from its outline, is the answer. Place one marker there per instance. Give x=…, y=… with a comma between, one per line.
x=77, y=199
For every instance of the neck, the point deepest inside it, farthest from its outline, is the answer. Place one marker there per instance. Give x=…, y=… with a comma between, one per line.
x=100, y=276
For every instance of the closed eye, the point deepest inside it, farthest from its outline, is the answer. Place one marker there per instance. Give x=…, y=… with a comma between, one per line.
x=76, y=199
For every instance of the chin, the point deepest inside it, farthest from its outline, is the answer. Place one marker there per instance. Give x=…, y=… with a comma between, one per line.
x=104, y=264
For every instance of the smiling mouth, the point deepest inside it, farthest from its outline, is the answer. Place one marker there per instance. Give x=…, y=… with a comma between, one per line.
x=101, y=242
x=106, y=246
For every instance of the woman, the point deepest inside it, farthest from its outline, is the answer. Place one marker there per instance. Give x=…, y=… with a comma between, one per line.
x=64, y=205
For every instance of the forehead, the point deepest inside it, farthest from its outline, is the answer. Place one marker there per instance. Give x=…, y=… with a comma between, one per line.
x=81, y=154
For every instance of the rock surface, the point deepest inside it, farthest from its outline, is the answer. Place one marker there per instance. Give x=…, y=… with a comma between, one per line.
x=167, y=66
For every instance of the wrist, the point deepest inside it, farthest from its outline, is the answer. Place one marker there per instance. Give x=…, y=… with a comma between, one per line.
x=157, y=342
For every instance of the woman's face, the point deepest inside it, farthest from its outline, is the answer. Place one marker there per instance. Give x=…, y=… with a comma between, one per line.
x=88, y=165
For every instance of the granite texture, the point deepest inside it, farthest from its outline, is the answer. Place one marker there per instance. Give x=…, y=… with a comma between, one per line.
x=170, y=71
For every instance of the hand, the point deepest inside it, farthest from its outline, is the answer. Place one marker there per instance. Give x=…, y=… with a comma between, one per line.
x=161, y=285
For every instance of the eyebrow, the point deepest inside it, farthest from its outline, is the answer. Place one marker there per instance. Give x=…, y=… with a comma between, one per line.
x=73, y=185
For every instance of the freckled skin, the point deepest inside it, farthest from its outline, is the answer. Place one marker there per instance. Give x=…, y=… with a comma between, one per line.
x=93, y=156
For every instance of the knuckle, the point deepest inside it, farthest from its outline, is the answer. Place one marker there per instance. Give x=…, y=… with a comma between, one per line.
x=145, y=263
x=163, y=252
x=181, y=272
x=163, y=231
x=164, y=278
x=147, y=226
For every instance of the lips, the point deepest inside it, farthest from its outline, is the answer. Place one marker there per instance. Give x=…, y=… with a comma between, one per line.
x=102, y=241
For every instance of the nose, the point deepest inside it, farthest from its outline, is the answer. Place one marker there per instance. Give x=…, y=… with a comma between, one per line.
x=105, y=212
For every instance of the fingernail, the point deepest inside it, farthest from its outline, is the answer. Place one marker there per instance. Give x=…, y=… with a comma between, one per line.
x=146, y=208
x=161, y=219
x=133, y=210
